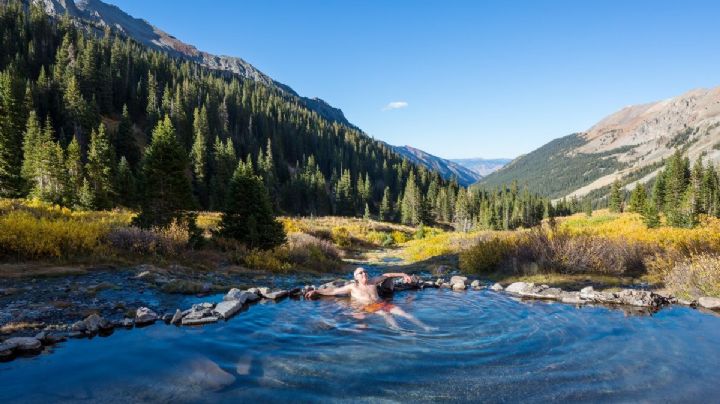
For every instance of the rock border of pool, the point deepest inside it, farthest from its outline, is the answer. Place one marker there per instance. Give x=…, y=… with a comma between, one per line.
x=235, y=300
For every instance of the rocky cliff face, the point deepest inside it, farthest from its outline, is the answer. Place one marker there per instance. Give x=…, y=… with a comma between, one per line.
x=629, y=145
x=102, y=15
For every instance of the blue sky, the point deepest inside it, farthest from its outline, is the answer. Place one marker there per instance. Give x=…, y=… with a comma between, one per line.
x=462, y=78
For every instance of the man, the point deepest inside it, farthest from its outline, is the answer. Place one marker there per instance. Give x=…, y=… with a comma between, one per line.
x=365, y=292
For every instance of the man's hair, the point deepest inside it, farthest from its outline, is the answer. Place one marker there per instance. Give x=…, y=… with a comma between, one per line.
x=355, y=274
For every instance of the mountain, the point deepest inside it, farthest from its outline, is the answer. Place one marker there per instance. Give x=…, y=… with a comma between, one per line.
x=629, y=145
x=446, y=168
x=482, y=166
x=107, y=15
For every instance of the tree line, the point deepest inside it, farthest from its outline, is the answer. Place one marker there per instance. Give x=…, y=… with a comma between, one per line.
x=681, y=192
x=91, y=119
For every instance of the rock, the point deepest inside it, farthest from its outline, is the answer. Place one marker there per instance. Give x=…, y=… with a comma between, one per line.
x=263, y=291
x=126, y=322
x=572, y=299
x=199, y=321
x=54, y=338
x=144, y=316
x=41, y=336
x=687, y=302
x=6, y=350
x=496, y=287
x=587, y=292
x=275, y=295
x=167, y=317
x=177, y=317
x=24, y=344
x=457, y=279
x=206, y=375
x=712, y=303
x=228, y=308
x=475, y=284
x=519, y=287
x=78, y=326
x=236, y=294
x=94, y=324
x=458, y=286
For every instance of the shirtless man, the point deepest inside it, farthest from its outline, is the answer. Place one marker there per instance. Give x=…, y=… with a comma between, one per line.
x=364, y=291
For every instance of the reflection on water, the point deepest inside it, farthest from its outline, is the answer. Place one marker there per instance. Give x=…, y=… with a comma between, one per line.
x=487, y=347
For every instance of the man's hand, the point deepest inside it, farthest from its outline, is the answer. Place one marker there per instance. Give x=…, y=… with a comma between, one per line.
x=407, y=278
x=310, y=294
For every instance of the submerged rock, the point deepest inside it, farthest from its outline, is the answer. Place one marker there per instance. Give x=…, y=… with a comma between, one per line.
x=144, y=316
x=205, y=374
x=712, y=303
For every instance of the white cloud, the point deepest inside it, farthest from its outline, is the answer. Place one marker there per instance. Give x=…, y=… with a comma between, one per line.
x=395, y=105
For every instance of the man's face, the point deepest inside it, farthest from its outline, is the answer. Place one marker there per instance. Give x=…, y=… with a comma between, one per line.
x=361, y=275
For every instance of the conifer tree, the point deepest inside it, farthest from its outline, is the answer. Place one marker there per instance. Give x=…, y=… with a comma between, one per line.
x=86, y=197
x=615, y=200
x=75, y=172
x=650, y=215
x=125, y=183
x=10, y=136
x=125, y=141
x=166, y=189
x=100, y=168
x=248, y=215
x=386, y=206
x=198, y=155
x=638, y=199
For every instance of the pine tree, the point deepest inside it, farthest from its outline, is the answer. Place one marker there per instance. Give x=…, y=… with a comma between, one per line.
x=166, y=189
x=638, y=199
x=587, y=207
x=86, y=197
x=650, y=215
x=31, y=149
x=125, y=141
x=198, y=155
x=125, y=183
x=10, y=136
x=75, y=173
x=386, y=206
x=366, y=215
x=615, y=200
x=248, y=215
x=100, y=168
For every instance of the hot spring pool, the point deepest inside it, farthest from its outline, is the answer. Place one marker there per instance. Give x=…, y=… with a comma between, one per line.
x=487, y=347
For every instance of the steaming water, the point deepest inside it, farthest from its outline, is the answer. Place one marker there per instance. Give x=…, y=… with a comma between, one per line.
x=488, y=347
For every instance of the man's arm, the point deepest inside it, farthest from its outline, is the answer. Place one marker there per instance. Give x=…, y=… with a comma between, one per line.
x=381, y=278
x=345, y=290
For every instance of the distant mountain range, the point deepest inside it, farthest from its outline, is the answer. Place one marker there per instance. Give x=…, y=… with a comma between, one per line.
x=446, y=168
x=482, y=166
x=629, y=145
x=103, y=14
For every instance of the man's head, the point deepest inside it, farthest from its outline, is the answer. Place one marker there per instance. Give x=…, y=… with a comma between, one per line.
x=360, y=275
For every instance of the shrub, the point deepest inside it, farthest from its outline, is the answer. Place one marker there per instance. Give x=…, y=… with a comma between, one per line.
x=267, y=260
x=308, y=252
x=696, y=276
x=486, y=255
x=341, y=237
x=399, y=237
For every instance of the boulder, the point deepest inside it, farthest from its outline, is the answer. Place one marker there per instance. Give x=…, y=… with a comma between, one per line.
x=144, y=316
x=712, y=303
x=228, y=308
x=457, y=279
x=177, y=317
x=475, y=284
x=519, y=287
x=263, y=291
x=496, y=287
x=587, y=293
x=459, y=286
x=24, y=344
x=94, y=323
x=238, y=295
